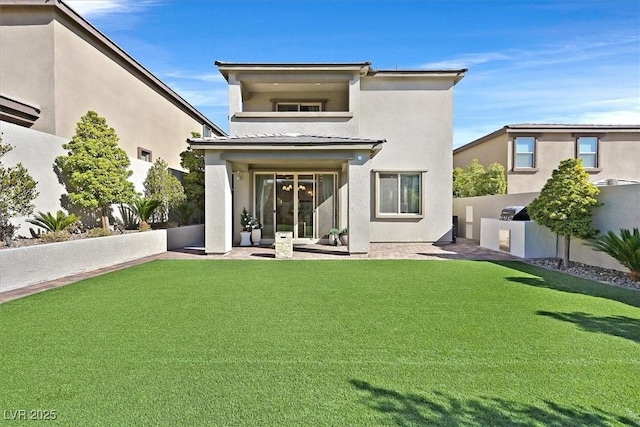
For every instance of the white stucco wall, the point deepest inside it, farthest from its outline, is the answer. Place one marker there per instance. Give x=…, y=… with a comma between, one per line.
x=620, y=209
x=20, y=267
x=415, y=116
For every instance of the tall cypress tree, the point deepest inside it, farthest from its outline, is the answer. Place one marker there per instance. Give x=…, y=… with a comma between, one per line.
x=97, y=169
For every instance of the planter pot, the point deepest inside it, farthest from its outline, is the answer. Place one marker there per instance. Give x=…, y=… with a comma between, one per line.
x=344, y=239
x=334, y=240
x=245, y=238
x=256, y=236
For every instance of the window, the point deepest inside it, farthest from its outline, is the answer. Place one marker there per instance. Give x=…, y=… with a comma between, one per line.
x=587, y=150
x=144, y=154
x=525, y=152
x=299, y=106
x=206, y=131
x=399, y=193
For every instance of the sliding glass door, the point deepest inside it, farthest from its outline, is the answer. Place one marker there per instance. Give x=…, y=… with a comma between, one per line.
x=303, y=203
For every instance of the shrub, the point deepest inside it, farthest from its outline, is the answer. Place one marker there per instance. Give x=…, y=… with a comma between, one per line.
x=624, y=248
x=144, y=208
x=129, y=218
x=98, y=232
x=52, y=223
x=56, y=236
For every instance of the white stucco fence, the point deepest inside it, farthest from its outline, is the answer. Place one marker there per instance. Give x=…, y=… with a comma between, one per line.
x=20, y=267
x=620, y=209
x=180, y=237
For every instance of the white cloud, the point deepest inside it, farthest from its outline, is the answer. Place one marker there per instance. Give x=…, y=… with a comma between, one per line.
x=98, y=8
x=205, y=77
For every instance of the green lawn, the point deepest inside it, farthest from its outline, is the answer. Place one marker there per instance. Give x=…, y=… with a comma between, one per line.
x=356, y=342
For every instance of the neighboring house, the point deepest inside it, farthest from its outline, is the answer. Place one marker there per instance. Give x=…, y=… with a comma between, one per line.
x=333, y=145
x=530, y=152
x=55, y=66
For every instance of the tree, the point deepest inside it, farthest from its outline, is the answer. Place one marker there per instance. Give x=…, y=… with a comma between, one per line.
x=160, y=184
x=97, y=170
x=17, y=192
x=193, y=180
x=474, y=180
x=565, y=204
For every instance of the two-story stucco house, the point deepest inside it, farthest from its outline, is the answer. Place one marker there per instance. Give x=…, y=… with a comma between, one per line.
x=334, y=145
x=530, y=152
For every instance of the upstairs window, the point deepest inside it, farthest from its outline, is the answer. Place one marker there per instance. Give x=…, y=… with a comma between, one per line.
x=525, y=150
x=299, y=106
x=587, y=150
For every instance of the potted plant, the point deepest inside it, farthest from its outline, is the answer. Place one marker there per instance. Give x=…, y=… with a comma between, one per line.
x=334, y=237
x=343, y=237
x=256, y=230
x=245, y=233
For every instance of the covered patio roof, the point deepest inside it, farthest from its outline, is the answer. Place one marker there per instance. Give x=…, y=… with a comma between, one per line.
x=275, y=150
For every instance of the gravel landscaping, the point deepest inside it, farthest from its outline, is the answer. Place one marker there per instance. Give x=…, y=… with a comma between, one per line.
x=613, y=277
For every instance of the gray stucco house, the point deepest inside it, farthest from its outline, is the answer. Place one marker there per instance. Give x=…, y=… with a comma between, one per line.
x=316, y=146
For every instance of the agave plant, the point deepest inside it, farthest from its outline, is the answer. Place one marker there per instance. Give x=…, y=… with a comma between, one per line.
x=624, y=248
x=143, y=208
x=51, y=223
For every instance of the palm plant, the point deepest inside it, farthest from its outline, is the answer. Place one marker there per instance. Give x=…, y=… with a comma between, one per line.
x=51, y=223
x=184, y=212
x=624, y=248
x=143, y=208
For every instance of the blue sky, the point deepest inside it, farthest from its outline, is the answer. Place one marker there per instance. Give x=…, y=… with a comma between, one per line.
x=530, y=61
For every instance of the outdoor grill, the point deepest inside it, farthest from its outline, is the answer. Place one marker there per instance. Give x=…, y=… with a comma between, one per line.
x=514, y=213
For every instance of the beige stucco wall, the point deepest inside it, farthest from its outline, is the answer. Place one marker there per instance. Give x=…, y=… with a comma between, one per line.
x=27, y=61
x=491, y=151
x=619, y=156
x=415, y=116
x=68, y=73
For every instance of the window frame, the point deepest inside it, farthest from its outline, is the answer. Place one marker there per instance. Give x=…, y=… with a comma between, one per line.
x=142, y=151
x=596, y=154
x=398, y=214
x=533, y=154
x=299, y=105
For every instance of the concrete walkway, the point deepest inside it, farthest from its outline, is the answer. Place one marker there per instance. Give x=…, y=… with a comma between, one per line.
x=462, y=249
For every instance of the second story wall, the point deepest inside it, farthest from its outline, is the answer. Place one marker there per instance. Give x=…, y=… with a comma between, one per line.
x=299, y=98
x=616, y=152
x=54, y=60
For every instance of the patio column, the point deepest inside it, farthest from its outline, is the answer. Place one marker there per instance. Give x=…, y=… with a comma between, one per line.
x=218, y=204
x=359, y=203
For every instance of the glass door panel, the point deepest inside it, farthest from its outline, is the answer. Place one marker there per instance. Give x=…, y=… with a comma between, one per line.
x=264, y=204
x=285, y=206
x=305, y=194
x=326, y=210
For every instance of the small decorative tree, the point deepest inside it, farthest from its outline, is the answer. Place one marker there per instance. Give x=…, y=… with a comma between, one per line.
x=162, y=185
x=565, y=204
x=97, y=170
x=474, y=180
x=17, y=192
